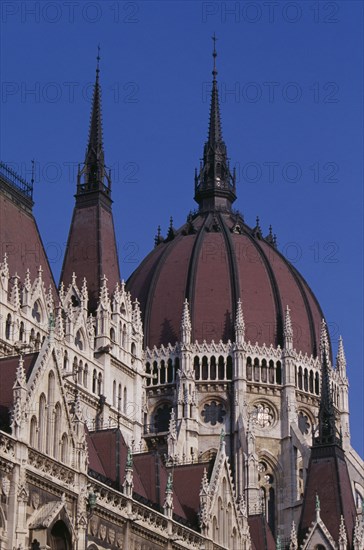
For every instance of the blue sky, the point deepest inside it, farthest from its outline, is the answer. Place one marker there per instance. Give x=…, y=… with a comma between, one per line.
x=291, y=89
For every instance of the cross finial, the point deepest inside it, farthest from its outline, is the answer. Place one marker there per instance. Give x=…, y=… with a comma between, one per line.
x=214, y=55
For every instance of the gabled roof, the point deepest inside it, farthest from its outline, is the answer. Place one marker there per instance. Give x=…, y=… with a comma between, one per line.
x=8, y=367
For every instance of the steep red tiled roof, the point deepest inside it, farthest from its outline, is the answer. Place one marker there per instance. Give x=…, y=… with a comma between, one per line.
x=187, y=484
x=328, y=477
x=21, y=240
x=8, y=367
x=260, y=533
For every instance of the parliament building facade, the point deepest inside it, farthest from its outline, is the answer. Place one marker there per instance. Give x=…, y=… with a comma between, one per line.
x=196, y=406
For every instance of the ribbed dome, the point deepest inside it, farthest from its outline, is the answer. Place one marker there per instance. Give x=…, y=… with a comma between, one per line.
x=213, y=260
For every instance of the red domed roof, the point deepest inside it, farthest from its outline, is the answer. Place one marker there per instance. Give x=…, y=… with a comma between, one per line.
x=214, y=260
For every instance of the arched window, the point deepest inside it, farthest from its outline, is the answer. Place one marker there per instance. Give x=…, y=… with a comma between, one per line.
x=79, y=340
x=8, y=327
x=133, y=349
x=249, y=373
x=300, y=385
x=271, y=372
x=57, y=430
x=64, y=448
x=123, y=343
x=37, y=341
x=229, y=367
x=32, y=337
x=112, y=334
x=311, y=381
x=213, y=368
x=196, y=367
x=264, y=371
x=155, y=373
x=256, y=370
x=205, y=369
x=279, y=373
x=42, y=423
x=99, y=384
x=221, y=368
x=65, y=360
x=33, y=432
x=305, y=380
x=80, y=372
x=317, y=383
x=176, y=368
x=21, y=332
x=148, y=371
x=51, y=385
x=94, y=381
x=162, y=372
x=85, y=376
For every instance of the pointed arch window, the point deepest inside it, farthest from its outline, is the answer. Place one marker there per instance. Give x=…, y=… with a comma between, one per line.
x=33, y=432
x=42, y=422
x=57, y=430
x=64, y=448
x=21, y=332
x=37, y=312
x=125, y=400
x=8, y=327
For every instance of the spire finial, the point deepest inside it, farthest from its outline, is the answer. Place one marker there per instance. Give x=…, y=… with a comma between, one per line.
x=98, y=60
x=214, y=55
x=33, y=170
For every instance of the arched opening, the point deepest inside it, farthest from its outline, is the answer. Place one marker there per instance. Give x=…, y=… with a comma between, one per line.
x=37, y=312
x=229, y=367
x=42, y=422
x=114, y=394
x=99, y=384
x=8, y=327
x=213, y=368
x=33, y=432
x=65, y=360
x=155, y=373
x=221, y=369
x=256, y=370
x=112, y=335
x=162, y=372
x=196, y=367
x=94, y=381
x=300, y=385
x=317, y=383
x=149, y=372
x=79, y=340
x=80, y=372
x=161, y=418
x=119, y=397
x=60, y=538
x=249, y=367
x=170, y=371
x=64, y=448
x=271, y=372
x=205, y=373
x=21, y=332
x=305, y=380
x=85, y=376
x=279, y=373
x=264, y=371
x=125, y=400
x=311, y=381
x=57, y=430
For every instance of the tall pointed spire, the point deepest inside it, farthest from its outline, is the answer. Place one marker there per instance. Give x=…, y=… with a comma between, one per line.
x=215, y=185
x=94, y=176
x=91, y=248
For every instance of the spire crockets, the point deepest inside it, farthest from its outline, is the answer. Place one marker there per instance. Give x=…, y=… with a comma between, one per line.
x=93, y=176
x=327, y=425
x=215, y=185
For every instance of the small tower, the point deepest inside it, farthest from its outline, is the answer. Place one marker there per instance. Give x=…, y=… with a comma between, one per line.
x=91, y=248
x=186, y=327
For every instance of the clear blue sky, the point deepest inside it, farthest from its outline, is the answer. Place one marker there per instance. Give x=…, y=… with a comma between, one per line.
x=291, y=88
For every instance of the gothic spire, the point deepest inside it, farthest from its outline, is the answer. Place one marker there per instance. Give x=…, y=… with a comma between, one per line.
x=326, y=419
x=94, y=176
x=215, y=185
